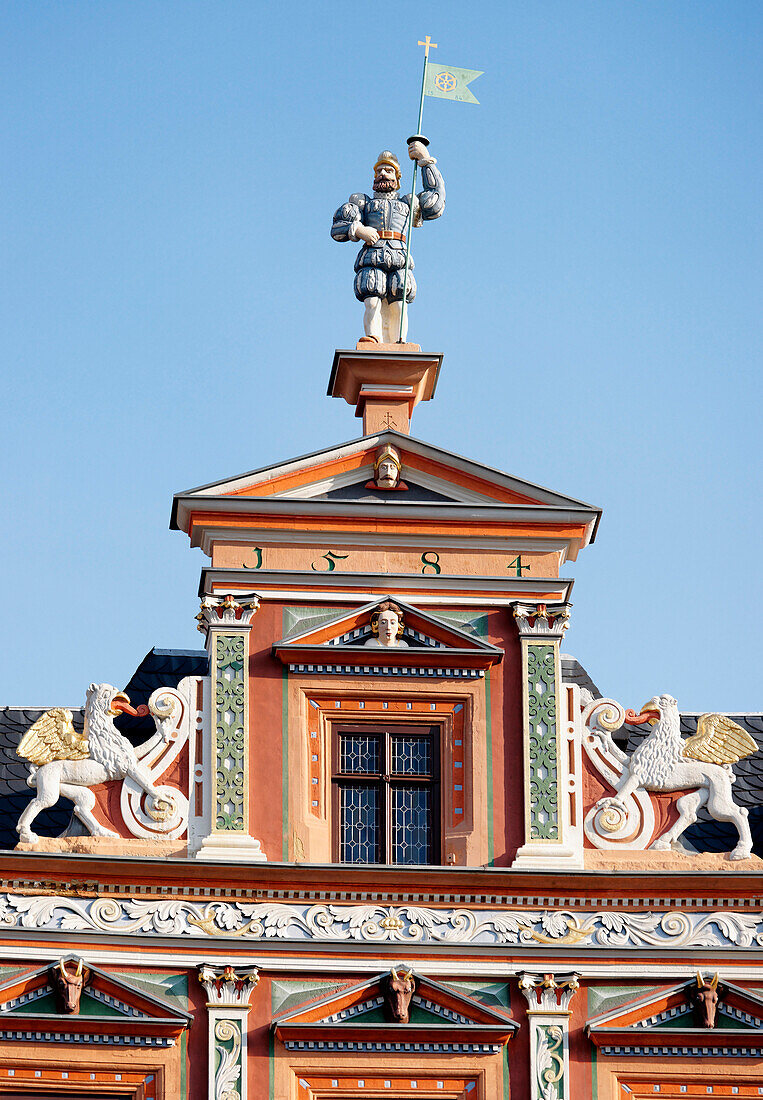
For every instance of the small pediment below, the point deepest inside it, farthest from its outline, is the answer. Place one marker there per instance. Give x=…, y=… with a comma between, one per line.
x=674, y=1017
x=108, y=1009
x=361, y=1017
x=353, y=643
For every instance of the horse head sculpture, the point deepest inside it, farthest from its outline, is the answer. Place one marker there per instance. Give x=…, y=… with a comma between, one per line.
x=397, y=990
x=68, y=986
x=705, y=999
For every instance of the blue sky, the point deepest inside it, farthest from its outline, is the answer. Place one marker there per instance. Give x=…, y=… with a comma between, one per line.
x=172, y=299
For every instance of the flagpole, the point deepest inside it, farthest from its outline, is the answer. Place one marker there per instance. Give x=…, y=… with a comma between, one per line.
x=426, y=44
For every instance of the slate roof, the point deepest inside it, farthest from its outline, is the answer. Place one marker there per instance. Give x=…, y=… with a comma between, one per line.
x=159, y=668
x=574, y=673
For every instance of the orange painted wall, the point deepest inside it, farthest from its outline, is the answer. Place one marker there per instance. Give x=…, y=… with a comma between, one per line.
x=265, y=725
x=507, y=739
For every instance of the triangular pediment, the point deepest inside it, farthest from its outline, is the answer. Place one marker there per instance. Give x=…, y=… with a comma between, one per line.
x=360, y=1015
x=347, y=641
x=344, y=474
x=667, y=1016
x=107, y=1004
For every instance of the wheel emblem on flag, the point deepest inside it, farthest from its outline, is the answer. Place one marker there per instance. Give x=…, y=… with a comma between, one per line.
x=446, y=82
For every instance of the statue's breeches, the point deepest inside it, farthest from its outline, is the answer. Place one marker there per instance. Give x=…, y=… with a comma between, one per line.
x=380, y=273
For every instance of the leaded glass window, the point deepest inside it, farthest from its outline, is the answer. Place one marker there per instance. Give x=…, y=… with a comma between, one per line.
x=386, y=795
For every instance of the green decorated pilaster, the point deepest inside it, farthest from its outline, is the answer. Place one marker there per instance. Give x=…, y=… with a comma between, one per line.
x=551, y=839
x=548, y=1013
x=226, y=624
x=228, y=992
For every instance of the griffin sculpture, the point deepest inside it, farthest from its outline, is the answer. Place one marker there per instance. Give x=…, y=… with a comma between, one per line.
x=700, y=765
x=66, y=763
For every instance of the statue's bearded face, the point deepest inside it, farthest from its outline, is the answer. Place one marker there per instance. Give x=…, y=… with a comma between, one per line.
x=387, y=474
x=385, y=179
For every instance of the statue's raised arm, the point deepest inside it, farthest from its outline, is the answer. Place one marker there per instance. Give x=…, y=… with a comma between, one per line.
x=380, y=222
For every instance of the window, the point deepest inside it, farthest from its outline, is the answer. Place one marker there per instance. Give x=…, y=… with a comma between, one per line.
x=386, y=795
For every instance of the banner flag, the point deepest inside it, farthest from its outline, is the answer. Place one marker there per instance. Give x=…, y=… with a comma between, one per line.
x=445, y=82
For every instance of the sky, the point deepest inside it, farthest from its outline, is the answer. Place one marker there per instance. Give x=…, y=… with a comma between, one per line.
x=171, y=300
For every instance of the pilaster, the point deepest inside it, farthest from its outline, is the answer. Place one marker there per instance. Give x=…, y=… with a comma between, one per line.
x=550, y=842
x=226, y=624
x=228, y=994
x=548, y=1003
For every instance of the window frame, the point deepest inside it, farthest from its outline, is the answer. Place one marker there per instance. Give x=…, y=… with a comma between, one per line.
x=385, y=782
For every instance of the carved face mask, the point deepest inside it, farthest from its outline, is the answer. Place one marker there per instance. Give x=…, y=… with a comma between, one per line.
x=388, y=627
x=387, y=475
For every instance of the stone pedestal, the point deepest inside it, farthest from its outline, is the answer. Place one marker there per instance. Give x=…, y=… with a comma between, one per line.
x=384, y=382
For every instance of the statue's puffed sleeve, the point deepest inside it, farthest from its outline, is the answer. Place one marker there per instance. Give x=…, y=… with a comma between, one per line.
x=348, y=217
x=432, y=198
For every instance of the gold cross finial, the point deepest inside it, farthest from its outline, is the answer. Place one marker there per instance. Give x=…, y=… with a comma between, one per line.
x=427, y=43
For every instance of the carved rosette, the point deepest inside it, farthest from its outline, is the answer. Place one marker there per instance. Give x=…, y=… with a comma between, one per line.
x=548, y=1008
x=541, y=628
x=229, y=990
x=226, y=623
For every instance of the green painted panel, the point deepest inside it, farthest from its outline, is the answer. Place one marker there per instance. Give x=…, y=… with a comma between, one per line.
x=46, y=1006
x=487, y=993
x=722, y=1023
x=542, y=748
x=169, y=987
x=606, y=998
x=296, y=620
x=289, y=993
x=466, y=621
x=230, y=765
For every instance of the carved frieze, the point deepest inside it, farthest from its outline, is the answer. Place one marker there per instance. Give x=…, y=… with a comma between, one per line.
x=588, y=929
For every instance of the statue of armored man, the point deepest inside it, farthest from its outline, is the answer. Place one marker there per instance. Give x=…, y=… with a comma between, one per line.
x=380, y=221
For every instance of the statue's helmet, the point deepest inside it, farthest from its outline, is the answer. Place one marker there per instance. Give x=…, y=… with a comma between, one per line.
x=388, y=453
x=388, y=158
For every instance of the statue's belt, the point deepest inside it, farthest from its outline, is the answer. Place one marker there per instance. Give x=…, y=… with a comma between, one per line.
x=390, y=235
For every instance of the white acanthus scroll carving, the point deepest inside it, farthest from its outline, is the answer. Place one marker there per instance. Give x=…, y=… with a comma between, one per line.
x=631, y=824
x=171, y=711
x=652, y=926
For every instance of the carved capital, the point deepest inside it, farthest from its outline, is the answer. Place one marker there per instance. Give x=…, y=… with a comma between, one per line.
x=549, y=993
x=228, y=986
x=227, y=612
x=542, y=620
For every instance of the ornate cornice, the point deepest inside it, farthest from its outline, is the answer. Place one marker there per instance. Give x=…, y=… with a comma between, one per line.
x=305, y=923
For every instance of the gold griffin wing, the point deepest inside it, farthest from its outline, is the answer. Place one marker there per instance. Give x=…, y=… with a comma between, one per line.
x=53, y=737
x=718, y=740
